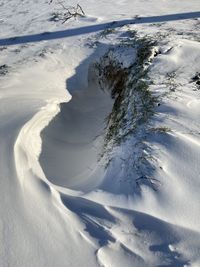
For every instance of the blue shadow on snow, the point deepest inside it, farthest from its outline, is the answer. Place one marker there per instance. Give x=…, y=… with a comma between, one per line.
x=94, y=28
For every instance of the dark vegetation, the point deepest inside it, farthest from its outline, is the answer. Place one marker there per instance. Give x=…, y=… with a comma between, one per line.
x=196, y=80
x=66, y=12
x=4, y=69
x=133, y=107
x=129, y=87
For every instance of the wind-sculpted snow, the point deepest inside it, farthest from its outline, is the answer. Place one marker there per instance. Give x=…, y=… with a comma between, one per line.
x=71, y=196
x=72, y=142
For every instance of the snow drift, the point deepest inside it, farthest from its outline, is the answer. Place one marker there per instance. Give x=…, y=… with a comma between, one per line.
x=72, y=192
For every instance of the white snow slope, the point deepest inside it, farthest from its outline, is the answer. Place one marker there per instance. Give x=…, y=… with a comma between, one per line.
x=58, y=205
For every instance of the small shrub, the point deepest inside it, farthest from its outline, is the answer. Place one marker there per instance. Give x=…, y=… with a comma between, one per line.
x=67, y=12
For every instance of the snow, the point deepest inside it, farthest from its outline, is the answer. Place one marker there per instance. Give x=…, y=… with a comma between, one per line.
x=59, y=205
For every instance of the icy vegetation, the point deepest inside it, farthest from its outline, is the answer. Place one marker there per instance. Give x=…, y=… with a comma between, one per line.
x=99, y=133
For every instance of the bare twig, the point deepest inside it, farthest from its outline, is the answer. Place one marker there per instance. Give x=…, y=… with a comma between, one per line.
x=81, y=9
x=71, y=11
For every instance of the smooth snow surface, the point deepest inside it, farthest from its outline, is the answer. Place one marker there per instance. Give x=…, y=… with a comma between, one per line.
x=59, y=206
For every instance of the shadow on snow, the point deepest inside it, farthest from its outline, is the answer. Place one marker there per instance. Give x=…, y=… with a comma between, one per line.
x=94, y=28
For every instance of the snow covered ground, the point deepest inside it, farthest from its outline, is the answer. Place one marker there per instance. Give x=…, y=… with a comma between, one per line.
x=59, y=205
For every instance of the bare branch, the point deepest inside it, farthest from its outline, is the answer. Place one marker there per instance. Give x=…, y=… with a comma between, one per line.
x=81, y=9
x=71, y=11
